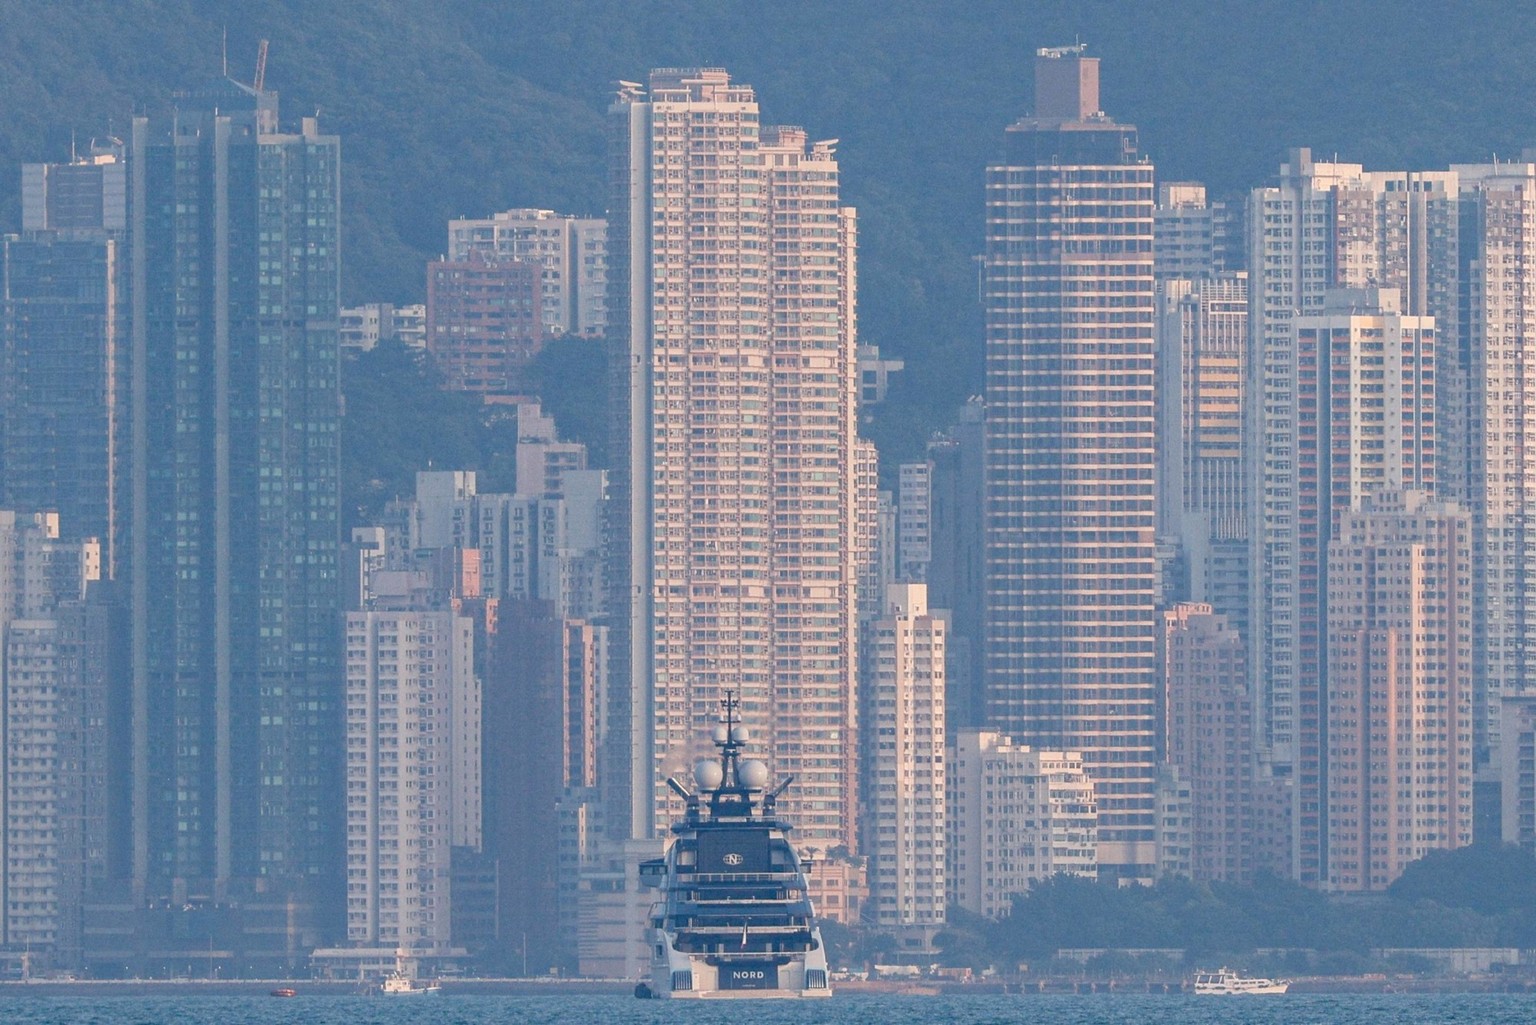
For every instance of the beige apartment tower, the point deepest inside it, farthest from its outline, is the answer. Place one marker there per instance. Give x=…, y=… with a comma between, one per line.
x=413, y=773
x=571, y=252
x=1324, y=226
x=904, y=762
x=1498, y=221
x=732, y=262
x=1017, y=815
x=1364, y=388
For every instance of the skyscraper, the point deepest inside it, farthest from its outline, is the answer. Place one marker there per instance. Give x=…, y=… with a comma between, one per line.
x=1399, y=700
x=61, y=325
x=233, y=267
x=413, y=771
x=1070, y=466
x=1498, y=412
x=733, y=268
x=1208, y=737
x=904, y=763
x=955, y=573
x=1203, y=487
x=1364, y=393
x=914, y=521
x=1205, y=338
x=1194, y=237
x=1323, y=226
x=541, y=688
x=54, y=759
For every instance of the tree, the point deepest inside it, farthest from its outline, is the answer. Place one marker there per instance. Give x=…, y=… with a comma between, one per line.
x=396, y=421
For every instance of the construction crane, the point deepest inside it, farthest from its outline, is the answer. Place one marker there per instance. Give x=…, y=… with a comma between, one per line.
x=261, y=66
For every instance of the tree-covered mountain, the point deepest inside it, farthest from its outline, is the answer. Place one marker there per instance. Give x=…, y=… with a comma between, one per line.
x=461, y=107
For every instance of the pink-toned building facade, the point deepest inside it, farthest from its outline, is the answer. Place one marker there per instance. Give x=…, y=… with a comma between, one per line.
x=483, y=322
x=1399, y=703
x=1208, y=735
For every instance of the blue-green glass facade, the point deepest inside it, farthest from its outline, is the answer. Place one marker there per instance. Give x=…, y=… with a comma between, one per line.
x=233, y=279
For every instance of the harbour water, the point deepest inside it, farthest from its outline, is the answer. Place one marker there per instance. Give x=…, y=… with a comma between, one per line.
x=1101, y=1009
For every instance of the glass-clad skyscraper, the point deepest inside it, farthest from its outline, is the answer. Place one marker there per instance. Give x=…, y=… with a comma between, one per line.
x=233, y=279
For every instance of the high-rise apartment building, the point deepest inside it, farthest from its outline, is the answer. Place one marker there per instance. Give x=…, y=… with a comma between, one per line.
x=1399, y=698
x=571, y=252
x=523, y=569
x=1203, y=486
x=39, y=569
x=543, y=546
x=1323, y=226
x=904, y=763
x=63, y=776
x=483, y=322
x=1070, y=463
x=1207, y=737
x=90, y=193
x=413, y=772
x=1017, y=815
x=62, y=411
x=1194, y=237
x=872, y=545
x=732, y=261
x=914, y=521
x=543, y=692
x=1202, y=367
x=233, y=265
x=1452, y=243
x=55, y=665
x=1496, y=482
x=1364, y=392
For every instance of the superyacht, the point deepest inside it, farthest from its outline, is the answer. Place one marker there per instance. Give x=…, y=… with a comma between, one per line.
x=734, y=918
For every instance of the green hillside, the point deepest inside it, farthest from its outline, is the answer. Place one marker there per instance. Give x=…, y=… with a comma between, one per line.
x=461, y=108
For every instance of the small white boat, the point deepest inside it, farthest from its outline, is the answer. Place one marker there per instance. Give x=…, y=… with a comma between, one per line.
x=397, y=985
x=1226, y=982
x=402, y=982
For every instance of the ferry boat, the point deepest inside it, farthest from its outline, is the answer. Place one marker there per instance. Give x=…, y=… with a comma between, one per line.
x=735, y=916
x=1227, y=983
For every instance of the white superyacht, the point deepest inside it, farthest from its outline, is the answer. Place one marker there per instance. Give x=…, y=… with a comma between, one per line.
x=735, y=918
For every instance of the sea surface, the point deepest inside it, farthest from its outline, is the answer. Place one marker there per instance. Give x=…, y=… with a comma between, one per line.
x=1102, y=1009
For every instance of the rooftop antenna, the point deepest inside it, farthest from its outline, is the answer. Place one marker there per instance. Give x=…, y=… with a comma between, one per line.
x=261, y=66
x=225, y=48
